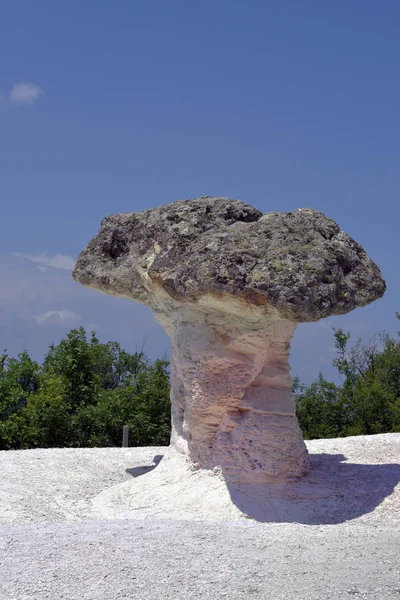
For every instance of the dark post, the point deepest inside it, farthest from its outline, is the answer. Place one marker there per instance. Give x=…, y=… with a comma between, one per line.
x=125, y=436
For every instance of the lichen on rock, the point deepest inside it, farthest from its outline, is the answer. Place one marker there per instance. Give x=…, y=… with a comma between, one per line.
x=300, y=262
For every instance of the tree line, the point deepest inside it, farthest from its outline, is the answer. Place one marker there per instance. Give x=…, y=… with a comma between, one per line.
x=82, y=395
x=85, y=391
x=368, y=399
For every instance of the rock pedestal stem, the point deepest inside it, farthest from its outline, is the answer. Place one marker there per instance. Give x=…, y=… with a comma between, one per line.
x=232, y=401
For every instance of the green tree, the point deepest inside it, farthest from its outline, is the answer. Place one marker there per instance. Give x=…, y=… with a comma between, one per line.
x=19, y=377
x=367, y=402
x=47, y=422
x=371, y=382
x=82, y=395
x=143, y=405
x=320, y=409
x=72, y=360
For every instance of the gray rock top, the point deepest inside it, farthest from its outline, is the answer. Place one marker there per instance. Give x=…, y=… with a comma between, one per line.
x=298, y=262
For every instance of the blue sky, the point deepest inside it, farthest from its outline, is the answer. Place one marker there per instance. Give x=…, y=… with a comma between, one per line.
x=120, y=106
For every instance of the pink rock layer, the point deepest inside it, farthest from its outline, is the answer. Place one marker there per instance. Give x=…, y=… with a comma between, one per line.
x=233, y=409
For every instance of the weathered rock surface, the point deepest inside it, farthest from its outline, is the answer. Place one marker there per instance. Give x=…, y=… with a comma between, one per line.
x=299, y=262
x=229, y=285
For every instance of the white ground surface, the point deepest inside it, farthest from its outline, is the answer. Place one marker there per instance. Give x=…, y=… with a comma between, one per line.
x=338, y=535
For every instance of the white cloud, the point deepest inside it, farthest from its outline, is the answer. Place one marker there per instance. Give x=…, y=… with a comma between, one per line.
x=55, y=316
x=25, y=291
x=25, y=93
x=44, y=261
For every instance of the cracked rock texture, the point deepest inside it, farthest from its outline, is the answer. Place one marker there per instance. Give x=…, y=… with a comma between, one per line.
x=229, y=285
x=299, y=262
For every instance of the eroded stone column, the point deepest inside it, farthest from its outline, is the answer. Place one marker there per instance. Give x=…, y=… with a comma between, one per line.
x=232, y=399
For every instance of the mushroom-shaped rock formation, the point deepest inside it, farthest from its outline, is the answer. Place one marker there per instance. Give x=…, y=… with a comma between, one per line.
x=229, y=285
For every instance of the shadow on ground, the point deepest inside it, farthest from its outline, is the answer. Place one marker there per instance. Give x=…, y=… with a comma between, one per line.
x=137, y=471
x=332, y=492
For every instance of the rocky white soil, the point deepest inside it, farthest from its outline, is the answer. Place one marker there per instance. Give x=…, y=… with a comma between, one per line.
x=338, y=535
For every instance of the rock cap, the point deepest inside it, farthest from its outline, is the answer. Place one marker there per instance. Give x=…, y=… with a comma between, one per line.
x=298, y=262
